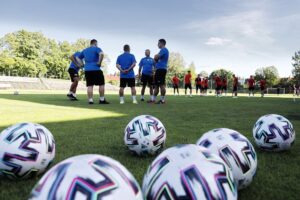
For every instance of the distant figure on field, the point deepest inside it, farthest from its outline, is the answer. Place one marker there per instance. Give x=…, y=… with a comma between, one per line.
x=262, y=84
x=175, y=82
x=74, y=75
x=198, y=81
x=125, y=63
x=188, y=83
x=146, y=68
x=235, y=82
x=251, y=83
x=93, y=57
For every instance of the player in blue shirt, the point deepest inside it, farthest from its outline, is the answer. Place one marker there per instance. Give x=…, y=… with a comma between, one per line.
x=161, y=66
x=73, y=71
x=126, y=63
x=146, y=67
x=93, y=57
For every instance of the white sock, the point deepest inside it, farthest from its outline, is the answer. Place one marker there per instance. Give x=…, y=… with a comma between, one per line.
x=142, y=97
x=91, y=100
x=152, y=98
x=121, y=98
x=102, y=98
x=134, y=98
x=162, y=98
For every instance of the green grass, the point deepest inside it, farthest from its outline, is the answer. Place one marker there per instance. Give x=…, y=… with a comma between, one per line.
x=79, y=128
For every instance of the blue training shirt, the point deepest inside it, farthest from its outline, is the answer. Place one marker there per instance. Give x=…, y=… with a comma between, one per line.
x=146, y=63
x=72, y=65
x=163, y=59
x=125, y=61
x=91, y=58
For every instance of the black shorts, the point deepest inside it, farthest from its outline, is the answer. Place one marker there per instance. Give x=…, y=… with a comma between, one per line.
x=224, y=88
x=218, y=87
x=175, y=86
x=160, y=77
x=235, y=88
x=94, y=78
x=73, y=74
x=186, y=86
x=251, y=88
x=198, y=87
x=130, y=82
x=147, y=80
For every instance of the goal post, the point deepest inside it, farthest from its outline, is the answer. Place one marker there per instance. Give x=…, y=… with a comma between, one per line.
x=275, y=90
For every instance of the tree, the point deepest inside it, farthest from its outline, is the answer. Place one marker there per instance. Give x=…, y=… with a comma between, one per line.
x=203, y=74
x=176, y=65
x=296, y=65
x=192, y=68
x=269, y=73
x=27, y=49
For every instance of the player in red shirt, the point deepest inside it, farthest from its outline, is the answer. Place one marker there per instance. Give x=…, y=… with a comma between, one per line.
x=235, y=81
x=262, y=84
x=218, y=82
x=188, y=83
x=205, y=86
x=251, y=83
x=198, y=82
x=224, y=86
x=175, y=81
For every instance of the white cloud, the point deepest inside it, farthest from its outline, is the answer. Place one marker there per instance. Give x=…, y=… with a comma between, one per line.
x=217, y=41
x=248, y=25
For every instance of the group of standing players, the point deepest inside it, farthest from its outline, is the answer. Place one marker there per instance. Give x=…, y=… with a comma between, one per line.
x=152, y=72
x=221, y=84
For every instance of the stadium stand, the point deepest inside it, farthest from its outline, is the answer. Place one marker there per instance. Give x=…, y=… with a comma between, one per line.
x=14, y=82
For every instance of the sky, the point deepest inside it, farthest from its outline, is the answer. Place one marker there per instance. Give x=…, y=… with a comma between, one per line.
x=238, y=35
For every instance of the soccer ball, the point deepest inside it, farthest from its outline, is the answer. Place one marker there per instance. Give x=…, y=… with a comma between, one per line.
x=144, y=135
x=188, y=172
x=87, y=177
x=236, y=150
x=274, y=133
x=27, y=149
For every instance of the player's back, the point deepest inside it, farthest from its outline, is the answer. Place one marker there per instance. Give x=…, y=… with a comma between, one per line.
x=91, y=54
x=125, y=60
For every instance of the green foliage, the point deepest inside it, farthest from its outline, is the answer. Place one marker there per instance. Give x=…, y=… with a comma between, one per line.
x=203, y=74
x=192, y=68
x=296, y=65
x=269, y=73
x=176, y=66
x=25, y=53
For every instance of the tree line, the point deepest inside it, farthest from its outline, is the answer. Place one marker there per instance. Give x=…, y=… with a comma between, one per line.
x=24, y=53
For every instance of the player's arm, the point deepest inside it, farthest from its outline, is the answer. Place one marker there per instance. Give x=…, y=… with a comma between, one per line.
x=101, y=57
x=119, y=68
x=140, y=68
x=158, y=56
x=73, y=59
x=131, y=67
x=78, y=62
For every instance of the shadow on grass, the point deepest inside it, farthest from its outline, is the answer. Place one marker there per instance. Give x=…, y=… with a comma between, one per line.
x=185, y=120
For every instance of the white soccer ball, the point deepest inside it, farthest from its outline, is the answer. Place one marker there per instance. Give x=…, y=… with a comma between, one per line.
x=188, y=172
x=26, y=149
x=144, y=135
x=87, y=177
x=274, y=133
x=236, y=150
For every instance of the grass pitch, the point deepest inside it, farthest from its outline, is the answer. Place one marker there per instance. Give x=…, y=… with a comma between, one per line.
x=80, y=128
